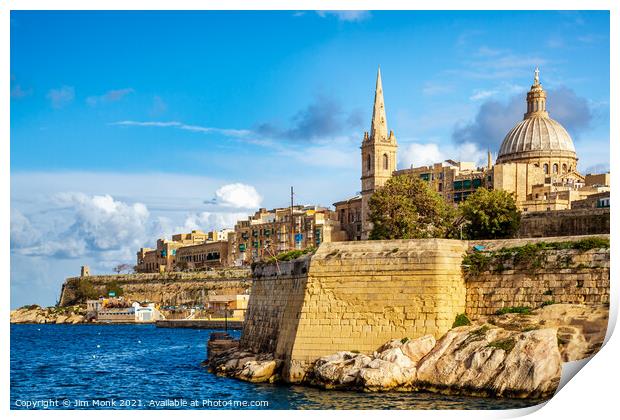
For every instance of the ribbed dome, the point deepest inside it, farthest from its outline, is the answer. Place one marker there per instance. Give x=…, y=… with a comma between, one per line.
x=536, y=133
x=538, y=138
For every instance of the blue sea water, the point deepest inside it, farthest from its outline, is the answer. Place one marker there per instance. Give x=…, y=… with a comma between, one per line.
x=144, y=367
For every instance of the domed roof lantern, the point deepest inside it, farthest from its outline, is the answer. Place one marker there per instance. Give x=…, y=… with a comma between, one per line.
x=537, y=135
x=536, y=99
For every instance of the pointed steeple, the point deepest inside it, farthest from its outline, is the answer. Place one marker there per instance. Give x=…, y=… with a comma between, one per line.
x=378, y=126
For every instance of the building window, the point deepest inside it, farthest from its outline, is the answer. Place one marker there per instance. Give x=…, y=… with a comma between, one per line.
x=564, y=168
x=555, y=168
x=368, y=163
x=546, y=168
x=440, y=187
x=386, y=162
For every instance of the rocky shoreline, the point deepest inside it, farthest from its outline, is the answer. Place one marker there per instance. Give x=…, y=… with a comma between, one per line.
x=34, y=314
x=515, y=355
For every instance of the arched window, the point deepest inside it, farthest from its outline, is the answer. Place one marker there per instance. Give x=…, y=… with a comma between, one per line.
x=555, y=168
x=564, y=168
x=368, y=163
x=386, y=162
x=546, y=168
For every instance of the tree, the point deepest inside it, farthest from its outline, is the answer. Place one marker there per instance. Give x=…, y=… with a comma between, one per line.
x=123, y=267
x=407, y=208
x=113, y=286
x=490, y=214
x=85, y=290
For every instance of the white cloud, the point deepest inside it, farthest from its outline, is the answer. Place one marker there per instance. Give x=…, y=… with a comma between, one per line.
x=238, y=196
x=207, y=221
x=418, y=154
x=110, y=96
x=90, y=224
x=231, y=132
x=480, y=94
x=22, y=232
x=61, y=96
x=346, y=15
x=423, y=154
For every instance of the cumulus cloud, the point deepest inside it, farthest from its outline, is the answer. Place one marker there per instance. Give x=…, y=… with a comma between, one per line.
x=238, y=196
x=423, y=154
x=93, y=224
x=211, y=221
x=22, y=232
x=494, y=118
x=61, y=97
x=110, y=96
x=345, y=15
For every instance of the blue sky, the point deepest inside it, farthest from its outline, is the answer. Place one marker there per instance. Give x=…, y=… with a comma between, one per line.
x=129, y=125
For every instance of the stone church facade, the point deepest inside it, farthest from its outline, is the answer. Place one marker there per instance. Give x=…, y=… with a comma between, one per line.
x=537, y=163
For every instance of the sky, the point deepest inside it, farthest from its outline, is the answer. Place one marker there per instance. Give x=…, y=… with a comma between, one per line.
x=129, y=126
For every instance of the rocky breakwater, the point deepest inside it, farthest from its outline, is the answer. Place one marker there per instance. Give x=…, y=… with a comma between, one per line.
x=34, y=314
x=516, y=355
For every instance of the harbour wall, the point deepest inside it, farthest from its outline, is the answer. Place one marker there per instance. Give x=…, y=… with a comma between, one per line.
x=176, y=288
x=356, y=296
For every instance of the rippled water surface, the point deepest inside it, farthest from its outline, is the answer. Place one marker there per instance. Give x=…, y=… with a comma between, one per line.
x=141, y=366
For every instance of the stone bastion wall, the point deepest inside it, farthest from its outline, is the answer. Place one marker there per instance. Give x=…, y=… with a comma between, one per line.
x=356, y=296
x=542, y=277
x=176, y=288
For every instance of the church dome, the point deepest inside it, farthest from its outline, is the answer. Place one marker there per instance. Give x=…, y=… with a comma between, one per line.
x=538, y=136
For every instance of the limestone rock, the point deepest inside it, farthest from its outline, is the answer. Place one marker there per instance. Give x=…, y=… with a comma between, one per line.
x=581, y=328
x=61, y=319
x=495, y=361
x=258, y=371
x=340, y=369
x=384, y=375
x=416, y=349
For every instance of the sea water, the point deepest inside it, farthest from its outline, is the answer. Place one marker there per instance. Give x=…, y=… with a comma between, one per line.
x=145, y=367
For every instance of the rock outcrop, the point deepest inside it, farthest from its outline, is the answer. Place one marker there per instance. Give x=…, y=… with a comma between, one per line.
x=512, y=355
x=35, y=314
x=581, y=328
x=246, y=366
x=489, y=360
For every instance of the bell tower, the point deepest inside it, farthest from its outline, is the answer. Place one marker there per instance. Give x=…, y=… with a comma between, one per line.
x=379, y=150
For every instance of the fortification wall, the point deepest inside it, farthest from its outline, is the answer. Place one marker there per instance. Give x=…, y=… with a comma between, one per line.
x=356, y=296
x=166, y=289
x=543, y=277
x=564, y=223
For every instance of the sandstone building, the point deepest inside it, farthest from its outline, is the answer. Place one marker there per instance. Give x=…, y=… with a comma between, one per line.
x=537, y=163
x=270, y=232
x=194, y=250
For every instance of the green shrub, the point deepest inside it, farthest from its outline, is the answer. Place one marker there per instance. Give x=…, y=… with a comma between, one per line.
x=461, y=320
x=547, y=303
x=591, y=243
x=404, y=340
x=506, y=344
x=514, y=310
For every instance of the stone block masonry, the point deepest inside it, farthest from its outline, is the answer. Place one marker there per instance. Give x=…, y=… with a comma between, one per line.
x=355, y=296
x=175, y=288
x=563, y=276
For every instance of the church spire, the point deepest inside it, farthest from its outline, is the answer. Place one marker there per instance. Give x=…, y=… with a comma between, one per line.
x=378, y=126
